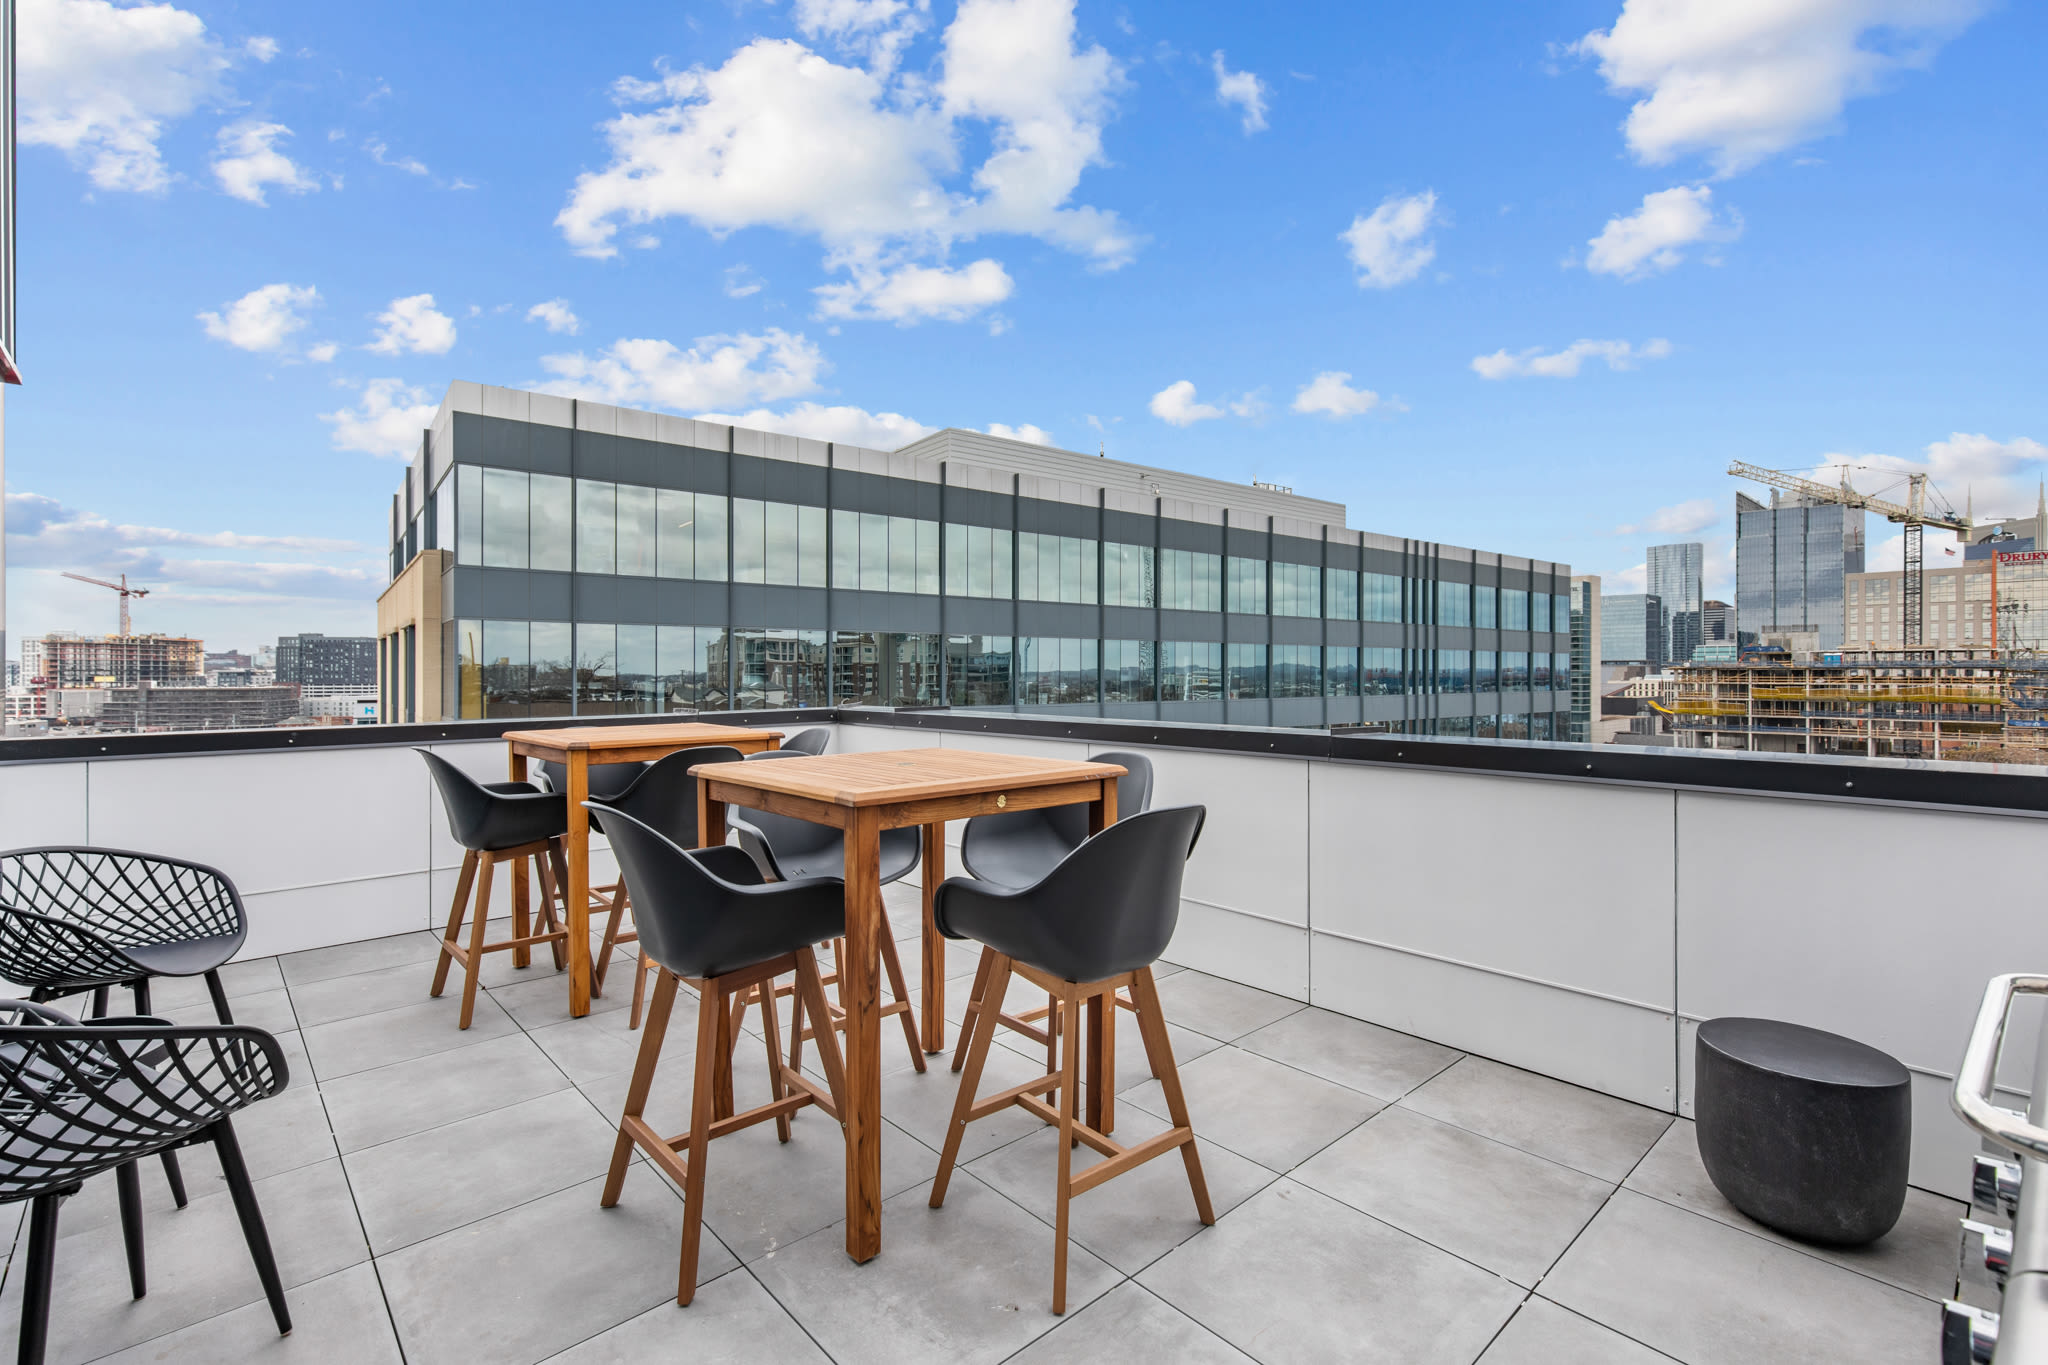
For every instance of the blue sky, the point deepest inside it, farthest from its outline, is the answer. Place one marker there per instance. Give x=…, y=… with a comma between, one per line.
x=1515, y=276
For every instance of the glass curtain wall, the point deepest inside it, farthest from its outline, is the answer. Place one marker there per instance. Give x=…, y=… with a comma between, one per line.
x=1057, y=672
x=1129, y=575
x=1297, y=670
x=1190, y=581
x=1245, y=676
x=883, y=668
x=977, y=561
x=876, y=553
x=1055, y=568
x=1190, y=671
x=1129, y=671
x=978, y=670
x=778, y=668
x=1245, y=586
x=1297, y=590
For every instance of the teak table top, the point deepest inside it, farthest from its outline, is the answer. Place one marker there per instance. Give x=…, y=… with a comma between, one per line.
x=892, y=776
x=599, y=738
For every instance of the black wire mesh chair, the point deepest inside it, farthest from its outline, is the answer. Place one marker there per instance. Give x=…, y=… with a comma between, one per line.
x=75, y=919
x=80, y=1099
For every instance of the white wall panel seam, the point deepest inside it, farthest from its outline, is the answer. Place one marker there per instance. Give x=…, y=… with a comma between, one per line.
x=1248, y=914
x=1492, y=971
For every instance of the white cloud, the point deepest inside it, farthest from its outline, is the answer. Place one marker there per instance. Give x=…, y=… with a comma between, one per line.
x=911, y=293
x=387, y=421
x=1388, y=245
x=262, y=319
x=323, y=352
x=1176, y=404
x=715, y=372
x=380, y=153
x=871, y=163
x=1655, y=236
x=45, y=536
x=413, y=325
x=1243, y=89
x=1038, y=436
x=99, y=82
x=262, y=49
x=848, y=425
x=557, y=315
x=1330, y=393
x=741, y=281
x=1680, y=519
x=245, y=159
x=1740, y=82
x=1564, y=364
x=876, y=30
x=1633, y=579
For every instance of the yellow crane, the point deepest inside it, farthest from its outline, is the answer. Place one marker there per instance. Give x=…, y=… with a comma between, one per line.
x=1912, y=515
x=121, y=587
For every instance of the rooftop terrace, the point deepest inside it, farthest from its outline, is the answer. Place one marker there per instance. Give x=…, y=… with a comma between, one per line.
x=1433, y=1003
x=433, y=1197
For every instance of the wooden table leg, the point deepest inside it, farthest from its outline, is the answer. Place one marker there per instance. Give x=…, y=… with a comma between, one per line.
x=860, y=992
x=578, y=891
x=1101, y=1009
x=934, y=1001
x=521, y=957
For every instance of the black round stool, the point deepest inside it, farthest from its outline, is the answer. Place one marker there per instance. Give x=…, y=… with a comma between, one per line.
x=1806, y=1132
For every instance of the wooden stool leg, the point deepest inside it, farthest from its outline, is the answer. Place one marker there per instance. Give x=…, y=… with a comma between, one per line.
x=1070, y=1086
x=1159, y=1052
x=640, y=965
x=772, y=1029
x=974, y=994
x=477, y=920
x=522, y=956
x=462, y=885
x=970, y=1080
x=810, y=987
x=892, y=963
x=611, y=939
x=642, y=1082
x=547, y=913
x=711, y=1017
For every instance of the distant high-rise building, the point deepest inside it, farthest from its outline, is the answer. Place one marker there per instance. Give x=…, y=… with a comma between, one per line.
x=1586, y=660
x=1717, y=623
x=1676, y=573
x=1792, y=560
x=66, y=660
x=327, y=660
x=1632, y=629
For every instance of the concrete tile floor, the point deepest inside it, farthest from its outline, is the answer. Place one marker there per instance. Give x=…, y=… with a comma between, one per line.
x=433, y=1198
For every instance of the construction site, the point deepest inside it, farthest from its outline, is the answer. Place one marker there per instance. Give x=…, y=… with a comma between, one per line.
x=1956, y=705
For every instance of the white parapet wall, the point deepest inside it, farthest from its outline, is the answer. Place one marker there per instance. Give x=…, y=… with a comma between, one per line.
x=1577, y=928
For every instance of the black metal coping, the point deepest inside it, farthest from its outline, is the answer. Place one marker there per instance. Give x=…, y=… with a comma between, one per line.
x=2022, y=790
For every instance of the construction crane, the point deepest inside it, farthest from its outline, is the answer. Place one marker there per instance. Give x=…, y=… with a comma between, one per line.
x=121, y=587
x=1912, y=516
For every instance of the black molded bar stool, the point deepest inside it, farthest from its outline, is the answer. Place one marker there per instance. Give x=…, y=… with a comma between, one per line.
x=663, y=796
x=78, y=1100
x=706, y=917
x=807, y=742
x=498, y=822
x=1017, y=849
x=786, y=848
x=74, y=919
x=1096, y=923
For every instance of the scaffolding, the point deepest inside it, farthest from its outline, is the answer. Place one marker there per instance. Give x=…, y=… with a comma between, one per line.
x=1911, y=704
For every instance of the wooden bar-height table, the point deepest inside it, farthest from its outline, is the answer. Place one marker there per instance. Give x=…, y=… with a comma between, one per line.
x=577, y=747
x=864, y=794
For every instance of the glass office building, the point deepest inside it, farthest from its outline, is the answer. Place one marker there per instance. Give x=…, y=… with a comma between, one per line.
x=1632, y=629
x=1791, y=567
x=1675, y=574
x=551, y=557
